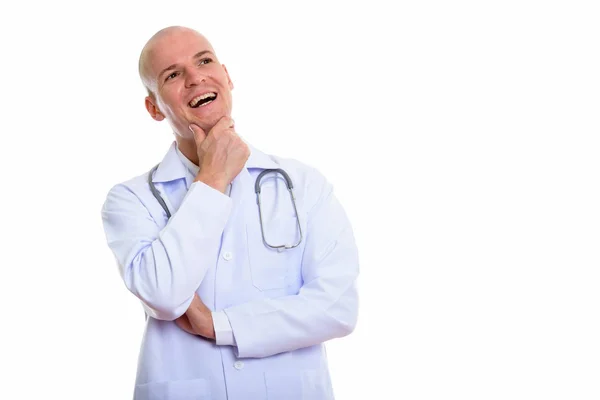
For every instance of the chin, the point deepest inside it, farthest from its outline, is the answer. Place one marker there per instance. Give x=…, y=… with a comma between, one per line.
x=208, y=121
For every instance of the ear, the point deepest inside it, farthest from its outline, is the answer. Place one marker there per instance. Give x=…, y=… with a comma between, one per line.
x=153, y=109
x=228, y=78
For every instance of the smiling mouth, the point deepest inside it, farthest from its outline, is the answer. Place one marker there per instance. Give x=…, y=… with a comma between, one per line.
x=202, y=100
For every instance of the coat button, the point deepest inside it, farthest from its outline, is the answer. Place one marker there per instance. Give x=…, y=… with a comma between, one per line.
x=238, y=365
x=228, y=255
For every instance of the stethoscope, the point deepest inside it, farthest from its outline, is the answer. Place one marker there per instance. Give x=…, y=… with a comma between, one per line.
x=290, y=188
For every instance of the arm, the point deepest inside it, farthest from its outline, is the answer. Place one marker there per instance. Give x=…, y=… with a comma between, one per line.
x=197, y=320
x=164, y=268
x=326, y=306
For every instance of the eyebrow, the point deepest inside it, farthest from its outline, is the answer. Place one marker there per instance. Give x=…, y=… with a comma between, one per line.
x=170, y=67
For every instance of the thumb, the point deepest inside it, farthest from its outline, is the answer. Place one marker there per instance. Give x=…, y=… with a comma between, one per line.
x=199, y=134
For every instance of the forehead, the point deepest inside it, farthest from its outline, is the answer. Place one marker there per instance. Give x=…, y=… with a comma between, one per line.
x=176, y=47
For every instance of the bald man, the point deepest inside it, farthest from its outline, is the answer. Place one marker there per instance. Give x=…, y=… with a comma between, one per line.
x=240, y=295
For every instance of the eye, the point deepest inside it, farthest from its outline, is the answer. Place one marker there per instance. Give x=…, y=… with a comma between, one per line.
x=173, y=75
x=205, y=61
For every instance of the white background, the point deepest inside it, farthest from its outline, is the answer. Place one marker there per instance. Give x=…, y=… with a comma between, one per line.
x=461, y=137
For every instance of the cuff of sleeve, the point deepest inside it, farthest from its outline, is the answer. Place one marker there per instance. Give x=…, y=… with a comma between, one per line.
x=223, y=332
x=168, y=315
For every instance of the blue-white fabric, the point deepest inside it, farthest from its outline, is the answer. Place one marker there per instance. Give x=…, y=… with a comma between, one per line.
x=280, y=306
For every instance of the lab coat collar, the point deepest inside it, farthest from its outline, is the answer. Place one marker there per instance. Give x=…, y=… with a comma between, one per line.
x=260, y=160
x=171, y=168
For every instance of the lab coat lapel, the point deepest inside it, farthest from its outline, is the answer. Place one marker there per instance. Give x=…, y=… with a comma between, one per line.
x=241, y=191
x=169, y=180
x=243, y=194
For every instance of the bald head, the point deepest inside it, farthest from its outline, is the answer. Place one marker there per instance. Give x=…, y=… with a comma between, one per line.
x=178, y=66
x=165, y=37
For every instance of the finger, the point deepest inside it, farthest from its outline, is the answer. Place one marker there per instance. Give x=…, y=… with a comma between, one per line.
x=224, y=123
x=199, y=134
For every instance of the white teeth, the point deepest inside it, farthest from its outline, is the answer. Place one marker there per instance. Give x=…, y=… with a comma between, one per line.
x=195, y=100
x=203, y=104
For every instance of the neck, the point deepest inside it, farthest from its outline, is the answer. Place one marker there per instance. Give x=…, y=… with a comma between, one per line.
x=188, y=149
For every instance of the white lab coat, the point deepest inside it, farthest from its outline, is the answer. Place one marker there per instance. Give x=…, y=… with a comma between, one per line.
x=282, y=306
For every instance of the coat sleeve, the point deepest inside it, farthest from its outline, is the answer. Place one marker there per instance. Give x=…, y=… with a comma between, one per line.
x=326, y=306
x=164, y=268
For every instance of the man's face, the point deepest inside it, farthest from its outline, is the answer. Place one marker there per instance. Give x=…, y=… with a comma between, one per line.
x=189, y=83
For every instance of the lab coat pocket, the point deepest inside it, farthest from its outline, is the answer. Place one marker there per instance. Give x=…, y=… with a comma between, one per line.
x=270, y=267
x=193, y=389
x=291, y=385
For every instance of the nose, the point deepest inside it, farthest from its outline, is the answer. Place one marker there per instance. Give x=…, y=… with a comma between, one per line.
x=193, y=77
